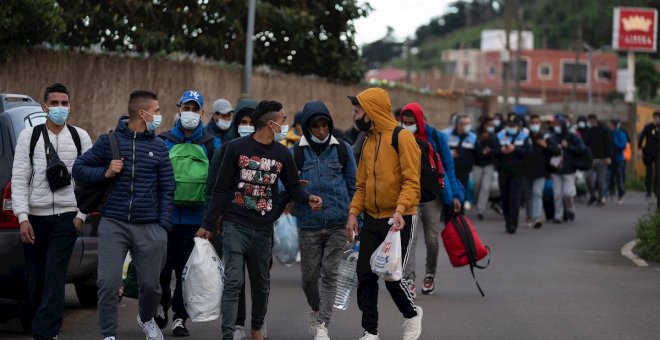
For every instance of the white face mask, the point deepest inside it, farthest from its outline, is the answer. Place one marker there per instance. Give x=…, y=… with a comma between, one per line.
x=468, y=128
x=283, y=131
x=245, y=130
x=497, y=122
x=535, y=128
x=412, y=128
x=320, y=141
x=223, y=124
x=189, y=120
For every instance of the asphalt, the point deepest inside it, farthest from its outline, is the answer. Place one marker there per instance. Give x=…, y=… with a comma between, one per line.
x=566, y=281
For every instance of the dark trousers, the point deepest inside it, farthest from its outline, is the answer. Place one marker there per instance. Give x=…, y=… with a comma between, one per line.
x=46, y=263
x=180, y=244
x=650, y=180
x=463, y=176
x=511, y=187
x=372, y=234
x=240, y=317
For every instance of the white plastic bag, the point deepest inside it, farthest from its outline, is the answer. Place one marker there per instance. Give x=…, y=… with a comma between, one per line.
x=285, y=239
x=203, y=281
x=386, y=260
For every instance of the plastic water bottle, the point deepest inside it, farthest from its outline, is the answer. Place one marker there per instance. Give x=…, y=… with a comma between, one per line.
x=347, y=280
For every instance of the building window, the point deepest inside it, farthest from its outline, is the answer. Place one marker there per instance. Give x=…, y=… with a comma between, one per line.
x=466, y=69
x=603, y=73
x=545, y=71
x=568, y=69
x=450, y=67
x=522, y=70
x=491, y=70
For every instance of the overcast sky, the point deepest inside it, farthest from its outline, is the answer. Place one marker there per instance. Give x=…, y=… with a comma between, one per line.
x=403, y=16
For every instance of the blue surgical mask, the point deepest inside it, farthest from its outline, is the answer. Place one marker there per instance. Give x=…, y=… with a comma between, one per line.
x=468, y=128
x=497, y=122
x=283, y=131
x=153, y=125
x=58, y=114
x=535, y=128
x=511, y=130
x=582, y=125
x=245, y=130
x=490, y=129
x=320, y=141
x=189, y=120
x=557, y=129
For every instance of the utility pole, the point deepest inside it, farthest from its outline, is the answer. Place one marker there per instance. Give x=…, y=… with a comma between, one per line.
x=590, y=52
x=408, y=61
x=247, y=67
x=506, y=59
x=545, y=47
x=518, y=65
x=578, y=47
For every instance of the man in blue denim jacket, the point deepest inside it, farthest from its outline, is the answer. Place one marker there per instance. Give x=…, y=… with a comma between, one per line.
x=322, y=233
x=412, y=118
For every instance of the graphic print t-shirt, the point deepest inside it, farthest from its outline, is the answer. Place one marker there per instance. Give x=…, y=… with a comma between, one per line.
x=246, y=191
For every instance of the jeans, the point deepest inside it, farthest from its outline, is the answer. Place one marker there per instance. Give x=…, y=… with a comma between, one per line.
x=180, y=244
x=429, y=213
x=148, y=246
x=320, y=252
x=245, y=246
x=511, y=186
x=599, y=171
x=46, y=263
x=534, y=204
x=563, y=188
x=615, y=177
x=372, y=234
x=483, y=179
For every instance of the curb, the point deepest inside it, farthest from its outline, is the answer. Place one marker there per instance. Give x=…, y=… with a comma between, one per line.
x=626, y=251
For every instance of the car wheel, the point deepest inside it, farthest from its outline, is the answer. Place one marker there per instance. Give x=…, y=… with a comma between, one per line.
x=87, y=294
x=25, y=315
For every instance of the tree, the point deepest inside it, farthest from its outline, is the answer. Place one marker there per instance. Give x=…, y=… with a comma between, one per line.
x=304, y=37
x=647, y=79
x=383, y=50
x=25, y=23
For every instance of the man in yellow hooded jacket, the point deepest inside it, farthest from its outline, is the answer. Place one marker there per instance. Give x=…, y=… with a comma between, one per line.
x=387, y=187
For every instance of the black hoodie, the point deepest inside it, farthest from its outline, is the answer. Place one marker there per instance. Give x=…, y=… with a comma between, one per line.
x=310, y=111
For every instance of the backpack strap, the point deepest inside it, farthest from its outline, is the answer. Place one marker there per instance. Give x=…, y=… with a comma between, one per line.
x=36, y=132
x=114, y=145
x=298, y=156
x=468, y=241
x=395, y=138
x=76, y=138
x=208, y=140
x=342, y=152
x=169, y=135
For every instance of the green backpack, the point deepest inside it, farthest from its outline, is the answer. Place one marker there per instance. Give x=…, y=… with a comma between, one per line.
x=191, y=168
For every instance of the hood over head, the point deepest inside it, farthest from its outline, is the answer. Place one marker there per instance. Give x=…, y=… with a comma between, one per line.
x=244, y=107
x=376, y=103
x=310, y=113
x=417, y=111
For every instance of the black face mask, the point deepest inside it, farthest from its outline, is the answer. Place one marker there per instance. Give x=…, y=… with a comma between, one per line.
x=362, y=125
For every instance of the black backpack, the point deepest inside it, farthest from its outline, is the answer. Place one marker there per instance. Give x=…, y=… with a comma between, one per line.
x=92, y=196
x=585, y=160
x=342, y=153
x=432, y=176
x=57, y=173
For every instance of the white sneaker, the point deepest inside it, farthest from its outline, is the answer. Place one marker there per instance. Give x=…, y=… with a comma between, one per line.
x=369, y=336
x=412, y=328
x=312, y=322
x=109, y=338
x=239, y=333
x=321, y=332
x=264, y=330
x=150, y=329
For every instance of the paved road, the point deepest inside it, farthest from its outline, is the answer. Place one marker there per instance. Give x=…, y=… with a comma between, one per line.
x=564, y=281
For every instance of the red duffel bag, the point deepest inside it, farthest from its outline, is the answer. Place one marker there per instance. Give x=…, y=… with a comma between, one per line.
x=463, y=245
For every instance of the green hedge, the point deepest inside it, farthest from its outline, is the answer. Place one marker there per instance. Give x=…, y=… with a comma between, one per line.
x=648, y=233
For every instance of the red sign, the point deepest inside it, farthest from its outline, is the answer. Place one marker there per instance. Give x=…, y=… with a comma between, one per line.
x=635, y=29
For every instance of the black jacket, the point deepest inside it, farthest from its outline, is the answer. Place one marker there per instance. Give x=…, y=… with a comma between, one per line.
x=486, y=140
x=535, y=164
x=650, y=135
x=599, y=141
x=574, y=149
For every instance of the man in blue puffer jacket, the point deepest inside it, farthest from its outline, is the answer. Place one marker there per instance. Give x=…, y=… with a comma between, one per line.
x=188, y=133
x=138, y=213
x=412, y=118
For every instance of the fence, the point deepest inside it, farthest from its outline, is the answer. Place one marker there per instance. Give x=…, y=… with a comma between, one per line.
x=100, y=85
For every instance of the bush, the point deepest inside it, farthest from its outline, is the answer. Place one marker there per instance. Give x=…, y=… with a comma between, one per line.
x=634, y=184
x=648, y=233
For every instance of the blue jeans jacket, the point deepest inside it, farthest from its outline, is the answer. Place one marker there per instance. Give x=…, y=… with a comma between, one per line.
x=327, y=180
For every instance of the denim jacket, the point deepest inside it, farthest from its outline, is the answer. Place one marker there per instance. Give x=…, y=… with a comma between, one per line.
x=326, y=179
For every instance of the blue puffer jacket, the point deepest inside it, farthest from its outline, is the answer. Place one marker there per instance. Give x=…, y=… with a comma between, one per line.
x=144, y=191
x=190, y=215
x=325, y=175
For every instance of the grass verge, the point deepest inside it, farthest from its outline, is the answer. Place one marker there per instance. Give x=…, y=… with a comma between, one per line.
x=648, y=233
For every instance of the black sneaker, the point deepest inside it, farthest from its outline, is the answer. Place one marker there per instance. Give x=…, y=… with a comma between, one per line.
x=556, y=221
x=428, y=286
x=179, y=328
x=592, y=201
x=538, y=223
x=571, y=216
x=480, y=217
x=161, y=317
x=511, y=229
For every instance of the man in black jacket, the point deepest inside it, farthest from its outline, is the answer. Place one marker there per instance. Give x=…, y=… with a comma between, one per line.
x=484, y=167
x=535, y=169
x=649, y=149
x=563, y=175
x=599, y=141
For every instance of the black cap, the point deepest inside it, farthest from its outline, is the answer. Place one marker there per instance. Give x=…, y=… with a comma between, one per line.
x=354, y=100
x=513, y=119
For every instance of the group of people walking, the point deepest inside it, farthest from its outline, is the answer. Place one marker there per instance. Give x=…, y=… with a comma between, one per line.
x=230, y=180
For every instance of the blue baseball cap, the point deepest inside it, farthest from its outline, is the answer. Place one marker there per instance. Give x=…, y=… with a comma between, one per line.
x=192, y=96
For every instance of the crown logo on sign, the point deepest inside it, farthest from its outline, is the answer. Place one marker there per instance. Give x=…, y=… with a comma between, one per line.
x=636, y=23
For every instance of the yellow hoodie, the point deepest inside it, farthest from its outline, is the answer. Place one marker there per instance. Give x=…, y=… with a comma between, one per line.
x=387, y=181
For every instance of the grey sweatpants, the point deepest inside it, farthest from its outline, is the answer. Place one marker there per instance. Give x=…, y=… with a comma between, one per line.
x=430, y=213
x=483, y=180
x=596, y=179
x=320, y=253
x=148, y=246
x=563, y=188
